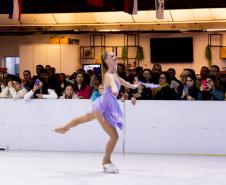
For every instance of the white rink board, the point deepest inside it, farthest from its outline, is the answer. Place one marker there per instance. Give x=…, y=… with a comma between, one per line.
x=176, y=127
x=4, y=110
x=31, y=124
x=172, y=127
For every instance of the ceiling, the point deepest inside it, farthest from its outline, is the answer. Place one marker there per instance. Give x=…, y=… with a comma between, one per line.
x=72, y=6
x=75, y=16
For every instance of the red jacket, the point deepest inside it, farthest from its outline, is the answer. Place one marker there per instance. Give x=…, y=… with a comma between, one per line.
x=85, y=93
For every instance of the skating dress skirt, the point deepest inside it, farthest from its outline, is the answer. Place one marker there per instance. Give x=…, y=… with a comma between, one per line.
x=108, y=106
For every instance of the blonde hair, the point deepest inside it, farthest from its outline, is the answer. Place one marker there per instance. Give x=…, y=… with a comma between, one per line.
x=104, y=64
x=103, y=58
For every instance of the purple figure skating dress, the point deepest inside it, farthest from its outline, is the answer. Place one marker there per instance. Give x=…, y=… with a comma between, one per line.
x=108, y=106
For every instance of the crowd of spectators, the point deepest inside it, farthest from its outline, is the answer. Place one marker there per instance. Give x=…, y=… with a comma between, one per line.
x=208, y=84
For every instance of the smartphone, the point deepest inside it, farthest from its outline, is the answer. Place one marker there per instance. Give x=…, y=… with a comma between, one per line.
x=204, y=85
x=37, y=81
x=185, y=90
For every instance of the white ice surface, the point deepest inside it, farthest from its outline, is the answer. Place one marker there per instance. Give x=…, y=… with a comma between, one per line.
x=65, y=168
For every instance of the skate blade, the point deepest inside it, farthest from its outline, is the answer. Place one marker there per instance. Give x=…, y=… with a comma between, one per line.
x=112, y=172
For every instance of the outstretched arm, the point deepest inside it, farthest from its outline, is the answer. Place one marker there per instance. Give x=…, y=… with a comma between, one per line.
x=129, y=85
x=150, y=85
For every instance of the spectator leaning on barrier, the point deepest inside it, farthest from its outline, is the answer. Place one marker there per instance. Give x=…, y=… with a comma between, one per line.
x=215, y=71
x=164, y=92
x=69, y=93
x=213, y=91
x=14, y=89
x=3, y=83
x=141, y=93
x=81, y=88
x=181, y=87
x=98, y=92
x=190, y=91
x=51, y=80
x=40, y=90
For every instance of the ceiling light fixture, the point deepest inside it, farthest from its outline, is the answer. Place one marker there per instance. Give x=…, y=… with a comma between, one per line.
x=109, y=30
x=216, y=29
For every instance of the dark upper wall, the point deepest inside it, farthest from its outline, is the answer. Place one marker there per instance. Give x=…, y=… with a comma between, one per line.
x=63, y=6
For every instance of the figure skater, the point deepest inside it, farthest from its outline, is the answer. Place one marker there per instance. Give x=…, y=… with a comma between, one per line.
x=106, y=109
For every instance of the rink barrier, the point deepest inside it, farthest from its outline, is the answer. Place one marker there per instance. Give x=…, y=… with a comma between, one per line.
x=165, y=127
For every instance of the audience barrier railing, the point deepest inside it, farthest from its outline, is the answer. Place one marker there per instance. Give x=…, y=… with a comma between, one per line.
x=167, y=127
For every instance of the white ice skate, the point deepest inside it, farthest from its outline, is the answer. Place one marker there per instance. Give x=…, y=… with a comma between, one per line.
x=110, y=168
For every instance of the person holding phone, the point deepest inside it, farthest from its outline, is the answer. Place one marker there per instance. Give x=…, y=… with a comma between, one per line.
x=41, y=90
x=204, y=85
x=190, y=91
x=204, y=72
x=213, y=90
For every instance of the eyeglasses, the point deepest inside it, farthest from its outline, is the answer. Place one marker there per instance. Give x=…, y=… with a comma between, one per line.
x=208, y=81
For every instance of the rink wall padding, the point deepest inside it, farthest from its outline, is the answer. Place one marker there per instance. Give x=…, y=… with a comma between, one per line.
x=176, y=127
x=167, y=127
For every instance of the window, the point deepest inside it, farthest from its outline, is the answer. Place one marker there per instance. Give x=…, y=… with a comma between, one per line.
x=12, y=65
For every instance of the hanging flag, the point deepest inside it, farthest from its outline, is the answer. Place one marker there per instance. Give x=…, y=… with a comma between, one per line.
x=96, y=3
x=131, y=7
x=159, y=6
x=15, y=9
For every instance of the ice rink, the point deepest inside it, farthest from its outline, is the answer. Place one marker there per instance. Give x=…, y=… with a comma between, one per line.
x=69, y=168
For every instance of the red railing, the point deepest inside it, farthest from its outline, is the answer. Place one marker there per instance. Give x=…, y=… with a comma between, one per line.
x=3, y=70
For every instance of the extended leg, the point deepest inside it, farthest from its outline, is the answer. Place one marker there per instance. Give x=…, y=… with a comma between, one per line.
x=76, y=121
